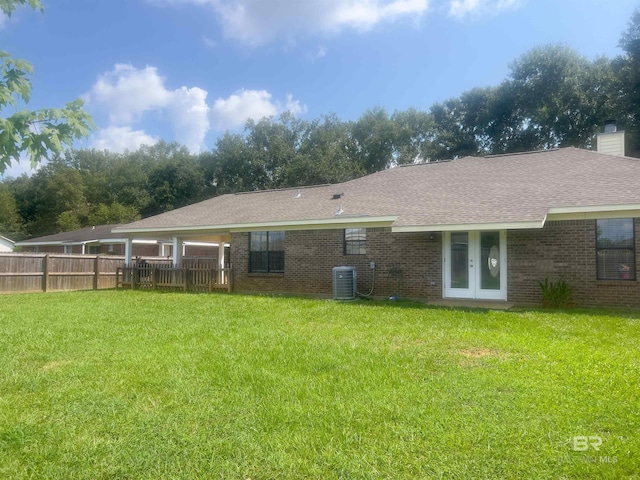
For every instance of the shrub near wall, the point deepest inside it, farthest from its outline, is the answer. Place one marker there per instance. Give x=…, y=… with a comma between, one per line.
x=567, y=250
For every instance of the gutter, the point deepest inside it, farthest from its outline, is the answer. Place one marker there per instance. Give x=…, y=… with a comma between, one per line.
x=318, y=224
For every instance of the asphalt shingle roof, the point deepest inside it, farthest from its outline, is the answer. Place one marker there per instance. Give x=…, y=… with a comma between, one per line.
x=472, y=190
x=99, y=232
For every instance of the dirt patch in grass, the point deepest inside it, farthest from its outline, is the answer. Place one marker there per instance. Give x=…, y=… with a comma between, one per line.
x=55, y=365
x=475, y=356
x=480, y=352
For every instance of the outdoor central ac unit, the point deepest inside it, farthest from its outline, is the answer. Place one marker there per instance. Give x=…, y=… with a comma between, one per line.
x=344, y=283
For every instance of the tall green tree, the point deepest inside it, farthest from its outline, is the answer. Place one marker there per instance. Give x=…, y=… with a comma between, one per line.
x=103, y=214
x=373, y=137
x=452, y=136
x=413, y=131
x=627, y=74
x=558, y=97
x=175, y=180
x=38, y=133
x=10, y=222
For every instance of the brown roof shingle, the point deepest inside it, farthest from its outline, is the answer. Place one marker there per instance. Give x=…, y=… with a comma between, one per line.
x=99, y=232
x=502, y=189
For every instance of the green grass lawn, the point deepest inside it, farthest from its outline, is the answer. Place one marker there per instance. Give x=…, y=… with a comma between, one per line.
x=114, y=385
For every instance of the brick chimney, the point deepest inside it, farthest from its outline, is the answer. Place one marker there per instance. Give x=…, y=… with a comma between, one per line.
x=611, y=141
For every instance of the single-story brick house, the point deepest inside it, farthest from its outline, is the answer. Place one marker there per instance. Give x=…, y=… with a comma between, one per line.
x=99, y=240
x=476, y=228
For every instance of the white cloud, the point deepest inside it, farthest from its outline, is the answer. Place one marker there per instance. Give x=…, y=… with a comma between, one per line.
x=256, y=22
x=119, y=139
x=464, y=8
x=321, y=52
x=126, y=93
x=209, y=42
x=16, y=169
x=233, y=111
x=129, y=92
x=294, y=106
x=190, y=116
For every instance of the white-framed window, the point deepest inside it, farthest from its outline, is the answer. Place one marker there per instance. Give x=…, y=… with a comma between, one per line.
x=355, y=241
x=266, y=252
x=615, y=249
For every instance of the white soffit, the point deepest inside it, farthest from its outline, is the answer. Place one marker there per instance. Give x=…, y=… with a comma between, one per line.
x=593, y=212
x=470, y=227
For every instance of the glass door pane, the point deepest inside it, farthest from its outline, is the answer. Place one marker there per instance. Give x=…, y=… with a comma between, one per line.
x=459, y=260
x=490, y=260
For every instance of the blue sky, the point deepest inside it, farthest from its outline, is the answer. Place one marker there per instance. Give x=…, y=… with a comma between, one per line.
x=187, y=70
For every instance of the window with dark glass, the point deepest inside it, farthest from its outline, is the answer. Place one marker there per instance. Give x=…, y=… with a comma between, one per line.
x=615, y=249
x=266, y=252
x=355, y=241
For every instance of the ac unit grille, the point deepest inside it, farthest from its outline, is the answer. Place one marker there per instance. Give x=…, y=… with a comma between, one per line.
x=344, y=283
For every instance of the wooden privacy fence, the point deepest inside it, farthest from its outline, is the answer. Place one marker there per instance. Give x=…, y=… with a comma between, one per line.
x=196, y=278
x=38, y=272
x=47, y=272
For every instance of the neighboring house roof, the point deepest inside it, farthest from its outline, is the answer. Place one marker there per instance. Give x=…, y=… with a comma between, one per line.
x=505, y=191
x=97, y=234
x=6, y=245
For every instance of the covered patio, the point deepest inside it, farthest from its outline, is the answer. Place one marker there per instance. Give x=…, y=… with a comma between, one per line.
x=178, y=272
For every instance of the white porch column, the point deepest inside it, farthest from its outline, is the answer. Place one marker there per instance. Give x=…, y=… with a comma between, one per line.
x=221, y=260
x=128, y=251
x=177, y=251
x=84, y=248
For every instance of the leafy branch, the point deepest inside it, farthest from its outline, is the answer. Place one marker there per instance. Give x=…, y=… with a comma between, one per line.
x=38, y=133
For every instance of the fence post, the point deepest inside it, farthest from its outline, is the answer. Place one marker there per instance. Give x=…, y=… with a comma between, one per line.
x=134, y=277
x=45, y=272
x=154, y=278
x=96, y=272
x=186, y=280
x=229, y=280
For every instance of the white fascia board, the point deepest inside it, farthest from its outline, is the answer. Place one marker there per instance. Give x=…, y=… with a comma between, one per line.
x=592, y=212
x=339, y=222
x=463, y=227
x=201, y=244
x=109, y=240
x=27, y=243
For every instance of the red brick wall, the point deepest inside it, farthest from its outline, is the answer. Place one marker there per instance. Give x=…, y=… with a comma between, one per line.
x=565, y=250
x=44, y=249
x=407, y=264
x=560, y=250
x=200, y=251
x=144, y=250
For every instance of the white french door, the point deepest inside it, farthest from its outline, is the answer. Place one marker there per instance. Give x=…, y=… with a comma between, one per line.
x=474, y=265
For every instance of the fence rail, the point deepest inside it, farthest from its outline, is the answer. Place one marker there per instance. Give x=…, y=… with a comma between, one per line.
x=57, y=272
x=160, y=277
